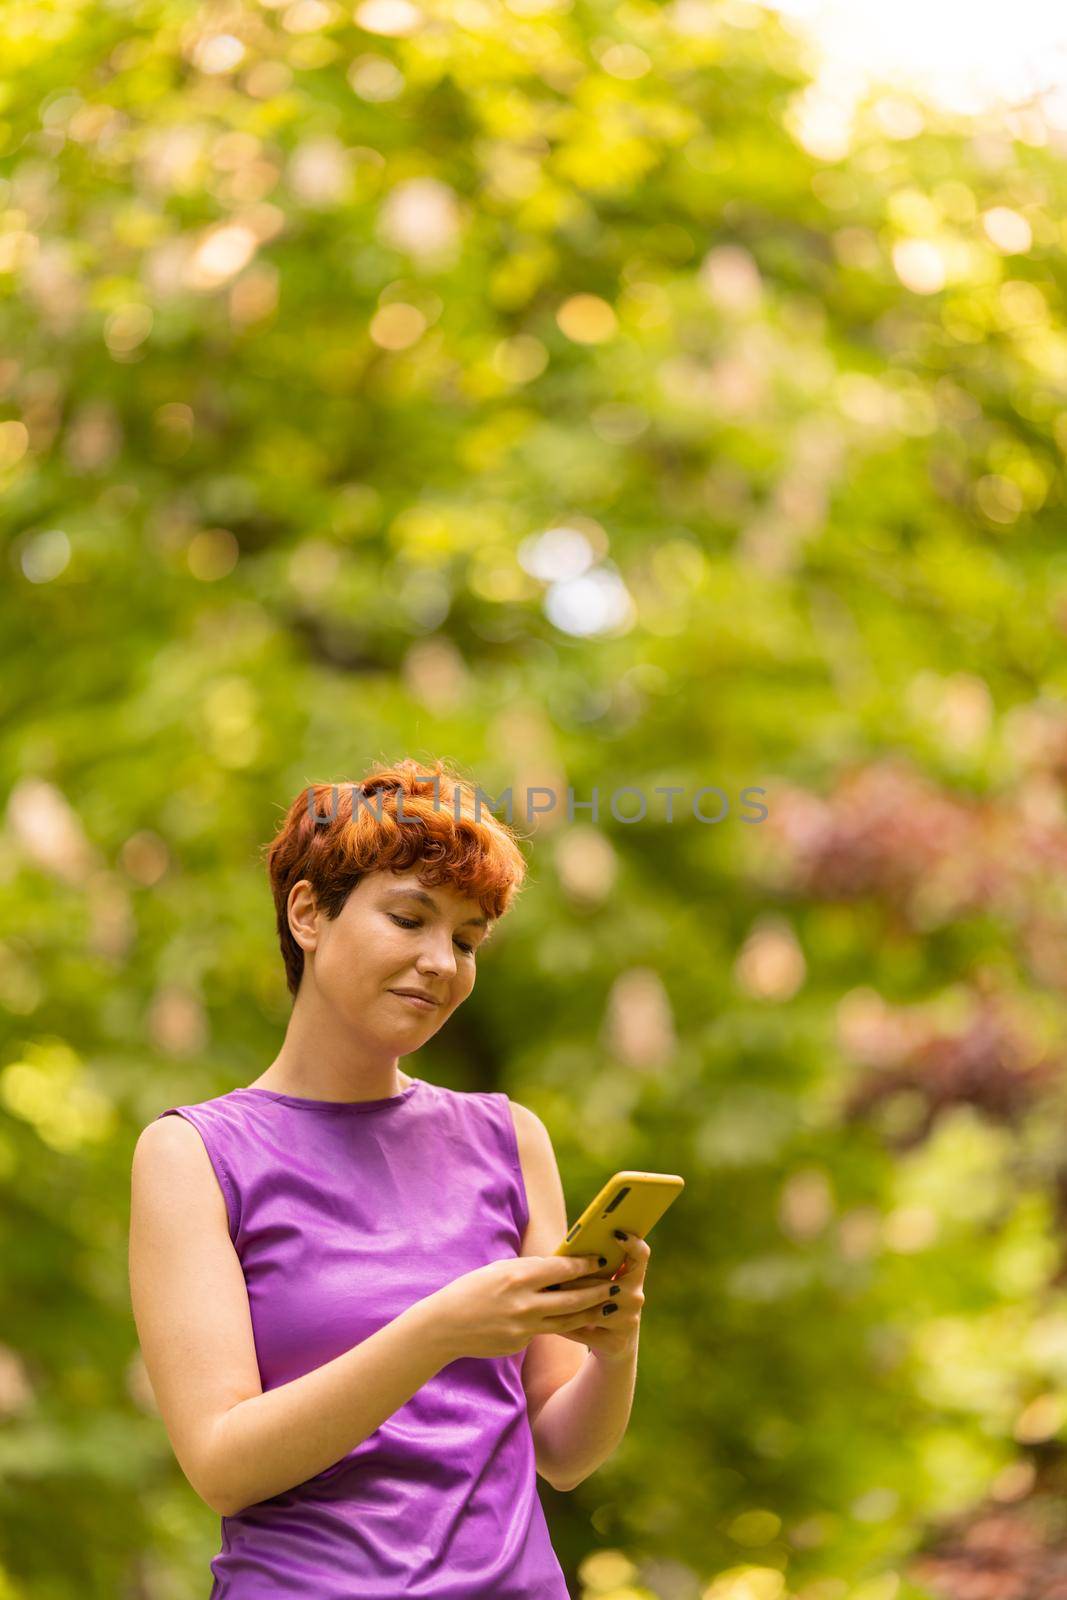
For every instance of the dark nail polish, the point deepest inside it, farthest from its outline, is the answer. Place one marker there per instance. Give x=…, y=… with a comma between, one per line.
x=601, y=1261
x=616, y=1288
x=619, y=1235
x=609, y=1309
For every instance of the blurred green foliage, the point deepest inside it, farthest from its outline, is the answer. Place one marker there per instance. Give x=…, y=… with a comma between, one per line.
x=528, y=384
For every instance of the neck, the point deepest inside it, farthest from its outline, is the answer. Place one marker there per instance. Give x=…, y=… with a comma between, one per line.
x=322, y=1058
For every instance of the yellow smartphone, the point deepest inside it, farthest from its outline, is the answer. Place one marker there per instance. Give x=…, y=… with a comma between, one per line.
x=630, y=1201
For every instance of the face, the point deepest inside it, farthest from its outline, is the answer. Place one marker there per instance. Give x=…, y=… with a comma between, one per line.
x=388, y=937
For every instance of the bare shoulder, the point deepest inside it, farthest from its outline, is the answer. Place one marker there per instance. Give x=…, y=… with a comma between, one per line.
x=544, y=1187
x=538, y=1158
x=170, y=1160
x=166, y=1144
x=530, y=1131
x=164, y=1141
x=165, y=1133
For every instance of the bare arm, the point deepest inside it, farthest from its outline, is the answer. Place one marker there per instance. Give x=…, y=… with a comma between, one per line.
x=271, y=1441
x=236, y=1444
x=583, y=1421
x=550, y=1360
x=579, y=1403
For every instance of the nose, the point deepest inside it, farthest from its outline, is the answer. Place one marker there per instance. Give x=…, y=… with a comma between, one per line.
x=436, y=954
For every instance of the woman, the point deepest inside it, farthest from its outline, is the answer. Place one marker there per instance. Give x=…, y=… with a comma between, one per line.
x=341, y=1274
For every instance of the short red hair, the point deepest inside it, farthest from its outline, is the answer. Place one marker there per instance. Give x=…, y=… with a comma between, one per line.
x=477, y=855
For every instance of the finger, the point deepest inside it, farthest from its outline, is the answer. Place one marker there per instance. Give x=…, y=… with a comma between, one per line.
x=553, y=1269
x=579, y=1302
x=635, y=1246
x=579, y=1265
x=590, y=1291
x=632, y=1277
x=564, y=1295
x=635, y=1262
x=564, y=1269
x=576, y=1320
x=568, y=1301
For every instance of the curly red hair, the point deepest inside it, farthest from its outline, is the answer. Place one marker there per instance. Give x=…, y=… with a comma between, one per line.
x=409, y=814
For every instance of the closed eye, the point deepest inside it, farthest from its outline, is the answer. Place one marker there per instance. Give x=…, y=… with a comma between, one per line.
x=406, y=922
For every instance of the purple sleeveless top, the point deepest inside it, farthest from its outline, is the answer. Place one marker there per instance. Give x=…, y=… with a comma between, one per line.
x=342, y=1216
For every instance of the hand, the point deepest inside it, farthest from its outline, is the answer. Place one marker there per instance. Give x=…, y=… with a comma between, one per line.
x=496, y=1310
x=614, y=1337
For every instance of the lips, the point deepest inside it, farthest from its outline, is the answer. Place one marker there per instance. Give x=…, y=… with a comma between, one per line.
x=416, y=1000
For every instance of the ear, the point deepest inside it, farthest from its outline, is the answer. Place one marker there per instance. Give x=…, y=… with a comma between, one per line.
x=303, y=915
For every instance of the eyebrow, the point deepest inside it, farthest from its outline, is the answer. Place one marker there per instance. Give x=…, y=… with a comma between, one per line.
x=420, y=894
